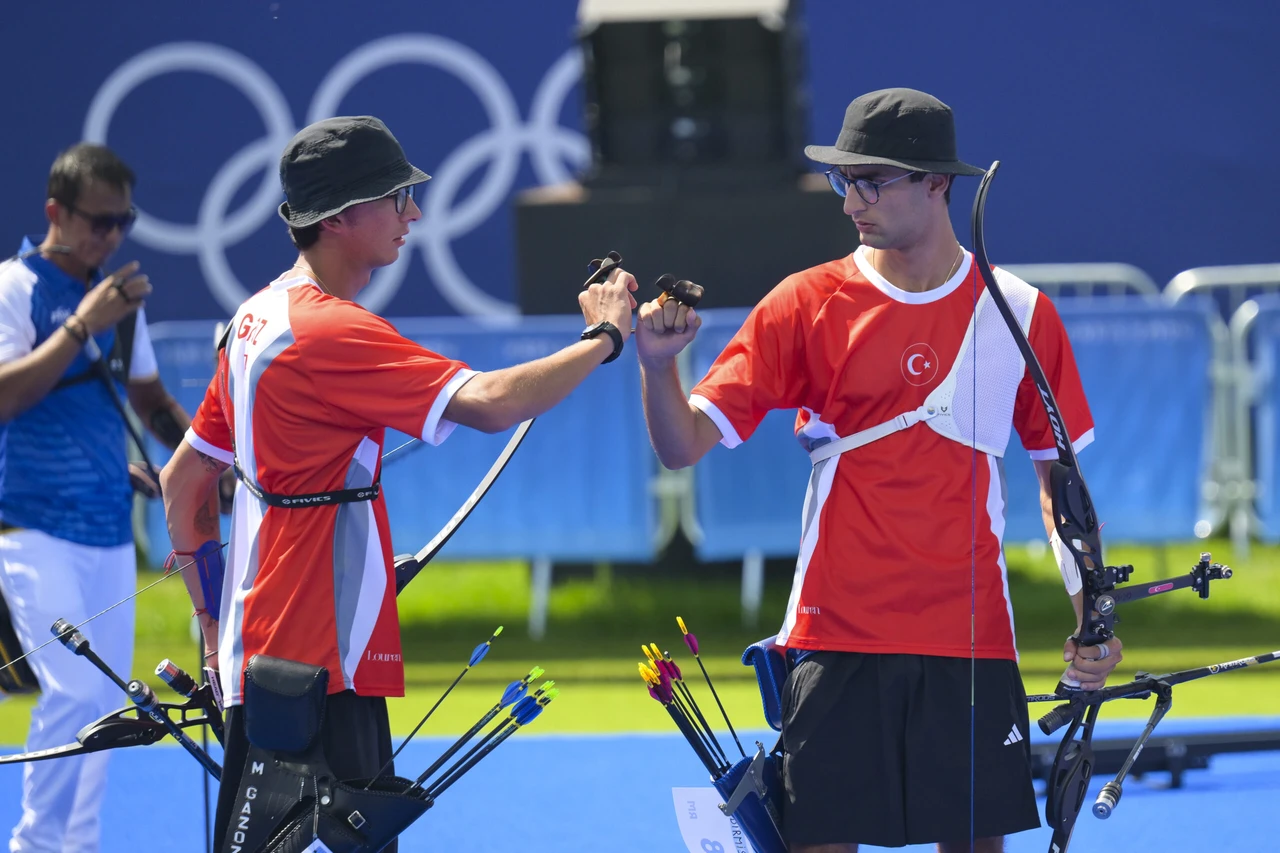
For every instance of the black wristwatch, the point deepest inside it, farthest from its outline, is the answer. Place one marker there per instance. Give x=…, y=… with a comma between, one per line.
x=604, y=327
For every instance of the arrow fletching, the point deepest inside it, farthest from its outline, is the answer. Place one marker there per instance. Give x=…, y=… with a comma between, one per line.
x=513, y=692
x=689, y=639
x=483, y=648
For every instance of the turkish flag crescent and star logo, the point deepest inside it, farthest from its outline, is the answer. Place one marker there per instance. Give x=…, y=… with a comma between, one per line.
x=919, y=364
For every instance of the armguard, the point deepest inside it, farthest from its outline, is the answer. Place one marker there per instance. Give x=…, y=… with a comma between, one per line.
x=211, y=567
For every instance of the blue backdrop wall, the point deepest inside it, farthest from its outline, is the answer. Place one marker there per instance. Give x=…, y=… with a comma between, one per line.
x=1141, y=131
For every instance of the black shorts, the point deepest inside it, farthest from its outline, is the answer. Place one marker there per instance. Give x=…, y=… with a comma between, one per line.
x=357, y=742
x=880, y=750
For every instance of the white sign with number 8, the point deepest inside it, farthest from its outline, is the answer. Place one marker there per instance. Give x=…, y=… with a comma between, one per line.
x=704, y=828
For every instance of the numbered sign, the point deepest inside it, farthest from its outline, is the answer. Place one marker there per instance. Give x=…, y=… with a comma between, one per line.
x=703, y=826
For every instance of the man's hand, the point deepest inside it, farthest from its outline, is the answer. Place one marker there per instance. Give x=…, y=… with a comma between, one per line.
x=610, y=300
x=145, y=480
x=665, y=327
x=1090, y=665
x=114, y=298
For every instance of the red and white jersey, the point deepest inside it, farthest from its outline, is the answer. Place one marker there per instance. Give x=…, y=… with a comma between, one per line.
x=312, y=381
x=903, y=534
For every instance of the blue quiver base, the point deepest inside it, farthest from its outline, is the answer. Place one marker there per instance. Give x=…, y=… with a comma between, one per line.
x=770, y=664
x=753, y=797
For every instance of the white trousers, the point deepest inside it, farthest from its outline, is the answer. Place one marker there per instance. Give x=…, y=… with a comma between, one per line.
x=45, y=579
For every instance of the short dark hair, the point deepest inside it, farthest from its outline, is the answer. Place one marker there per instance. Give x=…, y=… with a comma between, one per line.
x=82, y=164
x=305, y=238
x=917, y=177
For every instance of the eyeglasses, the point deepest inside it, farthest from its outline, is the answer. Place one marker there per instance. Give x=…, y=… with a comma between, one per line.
x=402, y=197
x=103, y=224
x=869, y=191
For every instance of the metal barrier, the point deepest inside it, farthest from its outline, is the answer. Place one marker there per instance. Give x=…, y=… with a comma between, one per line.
x=1082, y=281
x=1231, y=486
x=1255, y=330
x=1236, y=284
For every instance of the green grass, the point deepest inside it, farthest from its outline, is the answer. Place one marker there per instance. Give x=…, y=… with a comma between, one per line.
x=598, y=619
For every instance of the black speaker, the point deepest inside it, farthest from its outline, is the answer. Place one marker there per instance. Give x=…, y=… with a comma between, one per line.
x=694, y=100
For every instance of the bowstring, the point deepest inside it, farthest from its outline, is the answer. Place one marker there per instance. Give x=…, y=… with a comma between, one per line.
x=168, y=573
x=973, y=570
x=58, y=638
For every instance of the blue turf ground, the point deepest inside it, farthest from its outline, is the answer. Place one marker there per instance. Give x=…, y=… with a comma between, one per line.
x=613, y=793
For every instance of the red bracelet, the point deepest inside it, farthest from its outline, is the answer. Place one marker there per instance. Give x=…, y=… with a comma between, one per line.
x=198, y=611
x=173, y=558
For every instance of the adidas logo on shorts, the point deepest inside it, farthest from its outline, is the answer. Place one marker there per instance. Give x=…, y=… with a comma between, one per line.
x=1015, y=736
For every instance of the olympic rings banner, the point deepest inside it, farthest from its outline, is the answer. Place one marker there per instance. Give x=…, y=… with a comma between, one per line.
x=1137, y=132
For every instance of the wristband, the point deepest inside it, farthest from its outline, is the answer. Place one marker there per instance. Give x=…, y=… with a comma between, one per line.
x=605, y=328
x=81, y=334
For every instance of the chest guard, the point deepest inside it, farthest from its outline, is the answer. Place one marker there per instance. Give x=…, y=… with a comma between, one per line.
x=974, y=404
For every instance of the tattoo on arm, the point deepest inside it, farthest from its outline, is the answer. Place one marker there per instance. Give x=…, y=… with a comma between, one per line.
x=165, y=427
x=205, y=522
x=213, y=466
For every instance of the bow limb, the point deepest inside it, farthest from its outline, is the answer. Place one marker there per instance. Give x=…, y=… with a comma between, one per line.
x=1073, y=513
x=407, y=568
x=1076, y=522
x=129, y=726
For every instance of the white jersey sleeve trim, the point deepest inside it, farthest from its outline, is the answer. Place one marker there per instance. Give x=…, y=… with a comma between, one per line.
x=437, y=427
x=143, y=364
x=17, y=332
x=728, y=435
x=1052, y=453
x=206, y=448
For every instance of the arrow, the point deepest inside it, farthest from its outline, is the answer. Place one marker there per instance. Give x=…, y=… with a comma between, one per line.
x=691, y=641
x=476, y=656
x=514, y=692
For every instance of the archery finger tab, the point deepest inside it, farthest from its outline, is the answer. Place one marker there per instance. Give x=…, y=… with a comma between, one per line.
x=615, y=257
x=688, y=293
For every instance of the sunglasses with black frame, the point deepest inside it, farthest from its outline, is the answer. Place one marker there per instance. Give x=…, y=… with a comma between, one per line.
x=103, y=224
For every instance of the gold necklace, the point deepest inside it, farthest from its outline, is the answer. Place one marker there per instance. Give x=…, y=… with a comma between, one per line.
x=312, y=273
x=956, y=265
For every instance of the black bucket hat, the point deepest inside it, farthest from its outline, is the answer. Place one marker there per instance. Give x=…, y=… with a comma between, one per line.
x=896, y=127
x=338, y=162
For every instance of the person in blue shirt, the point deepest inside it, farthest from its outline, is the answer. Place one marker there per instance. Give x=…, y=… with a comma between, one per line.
x=66, y=485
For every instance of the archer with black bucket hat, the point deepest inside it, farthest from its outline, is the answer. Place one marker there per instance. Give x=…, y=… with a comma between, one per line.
x=307, y=383
x=899, y=602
